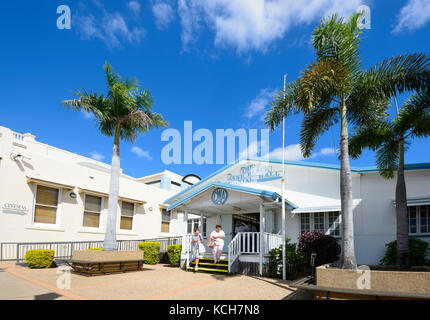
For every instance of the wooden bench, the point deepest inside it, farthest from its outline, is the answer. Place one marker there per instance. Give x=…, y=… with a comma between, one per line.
x=94, y=262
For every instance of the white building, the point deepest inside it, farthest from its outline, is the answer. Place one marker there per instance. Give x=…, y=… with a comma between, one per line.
x=249, y=191
x=52, y=195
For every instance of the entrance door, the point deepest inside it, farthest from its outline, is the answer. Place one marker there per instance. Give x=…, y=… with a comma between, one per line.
x=247, y=223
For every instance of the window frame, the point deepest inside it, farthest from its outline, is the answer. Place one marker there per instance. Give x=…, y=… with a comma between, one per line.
x=100, y=227
x=58, y=207
x=193, y=225
x=132, y=217
x=161, y=221
x=418, y=232
x=327, y=225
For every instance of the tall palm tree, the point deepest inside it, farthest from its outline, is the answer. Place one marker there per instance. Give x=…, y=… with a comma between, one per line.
x=123, y=113
x=389, y=138
x=335, y=89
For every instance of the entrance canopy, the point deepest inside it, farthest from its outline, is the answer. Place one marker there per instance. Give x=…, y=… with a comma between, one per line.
x=223, y=198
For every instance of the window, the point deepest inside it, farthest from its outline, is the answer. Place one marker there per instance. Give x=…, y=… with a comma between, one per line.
x=334, y=223
x=305, y=224
x=45, y=209
x=127, y=212
x=419, y=219
x=92, y=211
x=195, y=223
x=165, y=221
x=328, y=222
x=319, y=221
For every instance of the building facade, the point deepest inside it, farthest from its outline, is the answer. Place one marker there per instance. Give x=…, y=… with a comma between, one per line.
x=245, y=197
x=52, y=195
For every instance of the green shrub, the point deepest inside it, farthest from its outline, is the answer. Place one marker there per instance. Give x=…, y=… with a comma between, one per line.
x=418, y=252
x=295, y=261
x=94, y=249
x=151, y=250
x=174, y=253
x=39, y=258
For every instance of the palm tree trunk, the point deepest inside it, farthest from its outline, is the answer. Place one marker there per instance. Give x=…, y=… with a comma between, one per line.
x=348, y=251
x=403, y=261
x=110, y=235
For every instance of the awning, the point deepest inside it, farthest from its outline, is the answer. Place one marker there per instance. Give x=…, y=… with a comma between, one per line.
x=416, y=202
x=49, y=182
x=240, y=188
x=104, y=194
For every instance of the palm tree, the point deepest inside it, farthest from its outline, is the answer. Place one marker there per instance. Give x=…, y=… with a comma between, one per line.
x=389, y=139
x=123, y=113
x=335, y=89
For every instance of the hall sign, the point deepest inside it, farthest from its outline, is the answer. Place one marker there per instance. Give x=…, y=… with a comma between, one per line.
x=253, y=173
x=15, y=207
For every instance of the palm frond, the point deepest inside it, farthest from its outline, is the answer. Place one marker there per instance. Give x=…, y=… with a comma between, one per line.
x=320, y=81
x=415, y=115
x=314, y=124
x=282, y=105
x=408, y=72
x=371, y=136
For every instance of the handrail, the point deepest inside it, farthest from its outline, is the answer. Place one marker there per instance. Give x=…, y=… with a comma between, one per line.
x=233, y=251
x=249, y=243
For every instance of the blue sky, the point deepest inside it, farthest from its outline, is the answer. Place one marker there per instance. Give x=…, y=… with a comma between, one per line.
x=215, y=62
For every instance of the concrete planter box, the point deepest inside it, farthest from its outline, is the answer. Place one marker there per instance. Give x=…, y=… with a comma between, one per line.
x=100, y=262
x=378, y=281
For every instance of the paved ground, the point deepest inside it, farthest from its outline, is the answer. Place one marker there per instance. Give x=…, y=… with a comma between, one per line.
x=155, y=282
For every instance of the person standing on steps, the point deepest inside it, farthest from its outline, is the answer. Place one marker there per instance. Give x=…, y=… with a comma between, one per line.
x=196, y=239
x=217, y=236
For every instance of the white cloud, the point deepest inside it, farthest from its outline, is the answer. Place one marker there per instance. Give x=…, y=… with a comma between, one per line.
x=134, y=6
x=87, y=115
x=97, y=156
x=141, y=153
x=253, y=24
x=293, y=153
x=111, y=28
x=257, y=105
x=164, y=15
x=414, y=15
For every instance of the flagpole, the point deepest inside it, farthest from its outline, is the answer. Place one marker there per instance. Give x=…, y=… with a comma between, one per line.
x=284, y=273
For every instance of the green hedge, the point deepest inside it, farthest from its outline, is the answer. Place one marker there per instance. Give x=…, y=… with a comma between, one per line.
x=39, y=258
x=174, y=252
x=151, y=250
x=418, y=253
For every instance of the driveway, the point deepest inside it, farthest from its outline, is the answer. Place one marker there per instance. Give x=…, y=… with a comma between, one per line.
x=158, y=282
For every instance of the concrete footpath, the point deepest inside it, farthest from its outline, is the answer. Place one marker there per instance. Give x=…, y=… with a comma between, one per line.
x=154, y=282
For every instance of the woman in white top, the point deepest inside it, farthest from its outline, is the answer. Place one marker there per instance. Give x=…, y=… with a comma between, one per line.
x=217, y=236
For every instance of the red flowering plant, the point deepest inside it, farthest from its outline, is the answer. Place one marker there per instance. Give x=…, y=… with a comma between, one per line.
x=326, y=247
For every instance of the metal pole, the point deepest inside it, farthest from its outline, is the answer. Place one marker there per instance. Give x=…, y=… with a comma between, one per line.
x=284, y=274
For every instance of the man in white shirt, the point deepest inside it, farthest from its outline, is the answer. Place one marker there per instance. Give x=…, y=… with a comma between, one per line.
x=217, y=236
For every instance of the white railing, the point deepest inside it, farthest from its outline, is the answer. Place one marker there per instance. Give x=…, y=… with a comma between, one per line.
x=233, y=251
x=249, y=243
x=18, y=136
x=271, y=241
x=186, y=249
